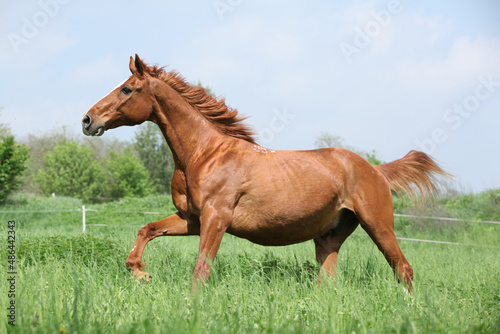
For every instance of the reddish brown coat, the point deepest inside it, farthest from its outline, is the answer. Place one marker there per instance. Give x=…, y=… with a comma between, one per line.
x=224, y=182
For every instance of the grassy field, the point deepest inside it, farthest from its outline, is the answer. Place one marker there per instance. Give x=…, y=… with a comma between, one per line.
x=69, y=282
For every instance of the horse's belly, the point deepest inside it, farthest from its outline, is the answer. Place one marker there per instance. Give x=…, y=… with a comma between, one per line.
x=289, y=200
x=268, y=230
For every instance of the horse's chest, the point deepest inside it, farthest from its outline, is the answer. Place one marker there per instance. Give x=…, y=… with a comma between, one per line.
x=179, y=192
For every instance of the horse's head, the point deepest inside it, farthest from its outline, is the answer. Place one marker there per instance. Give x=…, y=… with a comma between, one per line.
x=130, y=103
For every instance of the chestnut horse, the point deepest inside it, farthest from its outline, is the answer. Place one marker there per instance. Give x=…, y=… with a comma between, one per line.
x=224, y=182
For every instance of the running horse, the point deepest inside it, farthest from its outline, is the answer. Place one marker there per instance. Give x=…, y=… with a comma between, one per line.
x=225, y=182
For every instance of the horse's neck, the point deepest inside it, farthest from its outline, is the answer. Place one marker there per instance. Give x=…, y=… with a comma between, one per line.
x=188, y=133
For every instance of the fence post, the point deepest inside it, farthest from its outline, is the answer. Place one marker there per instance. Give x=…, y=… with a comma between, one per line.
x=83, y=217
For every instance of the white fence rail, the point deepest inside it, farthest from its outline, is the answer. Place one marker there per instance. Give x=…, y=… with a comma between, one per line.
x=85, y=210
x=448, y=219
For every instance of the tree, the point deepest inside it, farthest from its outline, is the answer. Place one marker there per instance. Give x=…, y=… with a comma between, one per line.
x=12, y=164
x=39, y=146
x=129, y=177
x=71, y=170
x=155, y=155
x=325, y=140
x=373, y=158
x=103, y=146
x=4, y=128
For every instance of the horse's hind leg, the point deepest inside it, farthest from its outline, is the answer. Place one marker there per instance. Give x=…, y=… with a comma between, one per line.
x=378, y=222
x=388, y=245
x=171, y=225
x=328, y=245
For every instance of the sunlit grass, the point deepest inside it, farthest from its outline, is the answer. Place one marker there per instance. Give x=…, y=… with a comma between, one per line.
x=78, y=283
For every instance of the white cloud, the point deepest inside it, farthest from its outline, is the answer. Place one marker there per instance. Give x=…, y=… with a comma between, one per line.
x=432, y=29
x=356, y=15
x=46, y=45
x=33, y=28
x=475, y=57
x=466, y=60
x=383, y=41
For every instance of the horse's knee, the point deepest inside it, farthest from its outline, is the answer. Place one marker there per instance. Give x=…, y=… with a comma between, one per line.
x=135, y=264
x=144, y=232
x=148, y=232
x=151, y=231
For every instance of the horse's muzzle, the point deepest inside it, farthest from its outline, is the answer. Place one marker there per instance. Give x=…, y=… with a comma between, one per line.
x=88, y=128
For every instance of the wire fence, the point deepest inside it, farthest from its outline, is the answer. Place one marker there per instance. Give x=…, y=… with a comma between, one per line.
x=84, y=211
x=448, y=219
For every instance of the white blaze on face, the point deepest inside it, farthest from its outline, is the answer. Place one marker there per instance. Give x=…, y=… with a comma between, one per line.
x=121, y=83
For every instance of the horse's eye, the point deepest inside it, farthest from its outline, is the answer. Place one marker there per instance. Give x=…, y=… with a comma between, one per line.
x=126, y=90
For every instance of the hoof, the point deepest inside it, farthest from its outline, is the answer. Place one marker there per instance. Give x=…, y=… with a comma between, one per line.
x=142, y=276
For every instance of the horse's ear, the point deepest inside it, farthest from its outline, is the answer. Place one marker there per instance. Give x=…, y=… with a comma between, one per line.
x=136, y=66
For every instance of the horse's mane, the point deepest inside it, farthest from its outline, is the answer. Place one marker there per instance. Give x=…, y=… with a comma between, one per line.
x=214, y=109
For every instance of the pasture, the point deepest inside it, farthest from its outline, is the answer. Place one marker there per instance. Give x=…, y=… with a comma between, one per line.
x=69, y=282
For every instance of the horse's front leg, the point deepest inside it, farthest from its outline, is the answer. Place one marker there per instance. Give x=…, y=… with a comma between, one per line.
x=172, y=225
x=213, y=225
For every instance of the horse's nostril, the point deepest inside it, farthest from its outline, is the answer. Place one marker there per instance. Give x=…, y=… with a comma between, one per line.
x=86, y=121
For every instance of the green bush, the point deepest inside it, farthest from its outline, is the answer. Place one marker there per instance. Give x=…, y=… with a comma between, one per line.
x=71, y=170
x=12, y=163
x=128, y=176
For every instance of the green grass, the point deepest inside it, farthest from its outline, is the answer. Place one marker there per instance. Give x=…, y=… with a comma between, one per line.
x=78, y=283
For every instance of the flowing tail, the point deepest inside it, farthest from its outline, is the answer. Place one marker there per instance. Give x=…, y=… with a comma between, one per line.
x=415, y=173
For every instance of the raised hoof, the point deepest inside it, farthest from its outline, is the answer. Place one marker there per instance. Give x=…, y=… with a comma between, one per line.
x=142, y=276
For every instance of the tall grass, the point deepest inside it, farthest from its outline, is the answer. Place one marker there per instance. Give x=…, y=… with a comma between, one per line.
x=78, y=283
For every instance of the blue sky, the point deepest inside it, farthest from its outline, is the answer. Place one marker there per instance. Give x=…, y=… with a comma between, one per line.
x=385, y=75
